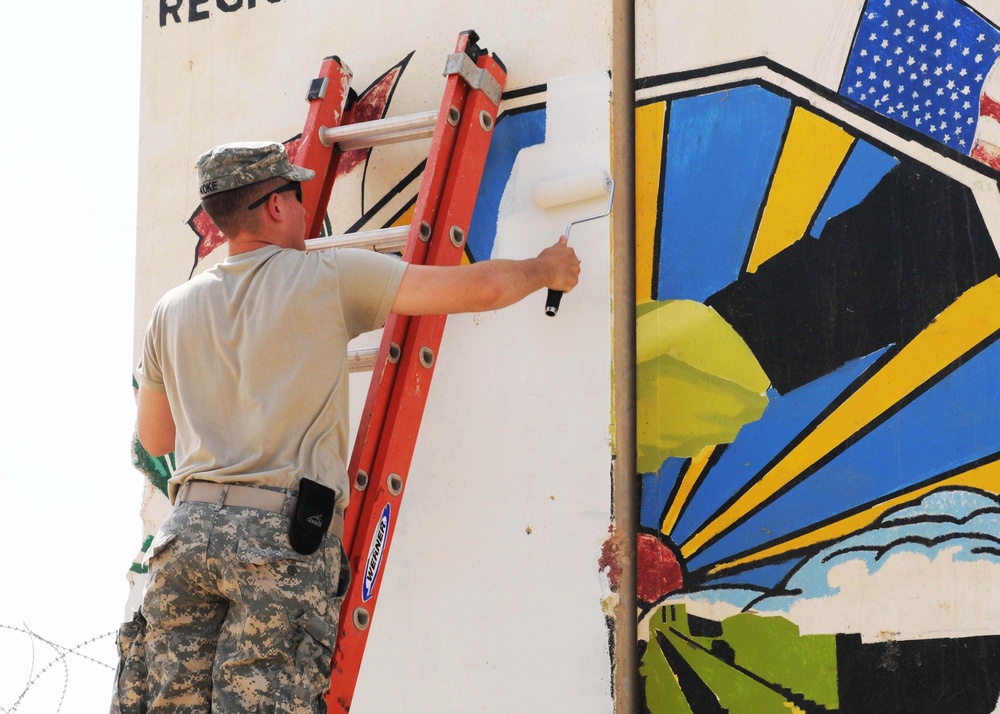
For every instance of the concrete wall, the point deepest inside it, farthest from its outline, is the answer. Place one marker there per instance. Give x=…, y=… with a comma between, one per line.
x=493, y=598
x=816, y=226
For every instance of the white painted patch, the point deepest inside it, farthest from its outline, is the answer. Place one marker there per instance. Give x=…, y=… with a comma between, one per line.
x=515, y=439
x=577, y=137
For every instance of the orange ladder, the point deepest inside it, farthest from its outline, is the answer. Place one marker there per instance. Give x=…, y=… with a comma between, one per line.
x=461, y=131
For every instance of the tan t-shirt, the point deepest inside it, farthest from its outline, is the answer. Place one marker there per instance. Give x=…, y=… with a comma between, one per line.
x=252, y=355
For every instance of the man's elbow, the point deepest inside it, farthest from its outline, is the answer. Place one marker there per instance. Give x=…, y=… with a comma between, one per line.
x=156, y=445
x=490, y=295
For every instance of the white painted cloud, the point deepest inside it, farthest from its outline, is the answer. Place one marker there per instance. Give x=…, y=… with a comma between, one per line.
x=912, y=596
x=925, y=571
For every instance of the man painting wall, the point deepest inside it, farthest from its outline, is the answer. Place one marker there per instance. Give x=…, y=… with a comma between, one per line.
x=243, y=376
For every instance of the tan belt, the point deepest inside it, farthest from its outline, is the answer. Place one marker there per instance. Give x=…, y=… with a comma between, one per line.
x=222, y=494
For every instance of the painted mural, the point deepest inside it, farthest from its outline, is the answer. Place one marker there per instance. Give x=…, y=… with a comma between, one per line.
x=819, y=377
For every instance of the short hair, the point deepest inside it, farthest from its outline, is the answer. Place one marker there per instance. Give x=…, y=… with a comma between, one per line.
x=228, y=209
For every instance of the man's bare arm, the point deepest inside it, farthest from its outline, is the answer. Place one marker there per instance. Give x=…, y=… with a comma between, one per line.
x=487, y=285
x=155, y=422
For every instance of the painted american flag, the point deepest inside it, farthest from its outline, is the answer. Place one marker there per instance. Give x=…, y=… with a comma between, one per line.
x=924, y=63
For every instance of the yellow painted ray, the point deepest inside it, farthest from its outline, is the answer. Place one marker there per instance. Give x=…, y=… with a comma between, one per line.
x=690, y=479
x=813, y=152
x=985, y=478
x=648, y=157
x=405, y=218
x=968, y=321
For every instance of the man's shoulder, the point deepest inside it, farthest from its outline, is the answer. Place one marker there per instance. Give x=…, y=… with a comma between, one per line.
x=188, y=290
x=362, y=259
x=332, y=261
x=275, y=256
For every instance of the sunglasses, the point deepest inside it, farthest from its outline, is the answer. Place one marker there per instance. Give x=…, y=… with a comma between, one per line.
x=293, y=186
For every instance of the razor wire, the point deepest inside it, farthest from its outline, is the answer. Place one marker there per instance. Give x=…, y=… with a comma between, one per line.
x=61, y=658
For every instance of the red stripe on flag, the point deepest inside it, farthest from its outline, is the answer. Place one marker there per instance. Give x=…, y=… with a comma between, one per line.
x=986, y=154
x=989, y=107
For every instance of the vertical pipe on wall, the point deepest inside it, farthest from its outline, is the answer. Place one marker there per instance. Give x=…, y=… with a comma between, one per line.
x=626, y=505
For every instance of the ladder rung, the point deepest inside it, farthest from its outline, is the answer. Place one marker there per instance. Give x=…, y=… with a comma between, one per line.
x=381, y=131
x=362, y=360
x=384, y=240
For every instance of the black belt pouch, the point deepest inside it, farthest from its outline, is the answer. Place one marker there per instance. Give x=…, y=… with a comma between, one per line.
x=312, y=516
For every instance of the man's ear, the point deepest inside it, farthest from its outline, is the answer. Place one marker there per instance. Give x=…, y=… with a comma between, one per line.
x=274, y=209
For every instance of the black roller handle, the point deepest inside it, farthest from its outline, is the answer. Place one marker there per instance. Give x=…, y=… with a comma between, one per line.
x=552, y=302
x=555, y=296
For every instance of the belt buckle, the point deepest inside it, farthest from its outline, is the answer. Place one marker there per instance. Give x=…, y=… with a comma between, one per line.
x=221, y=503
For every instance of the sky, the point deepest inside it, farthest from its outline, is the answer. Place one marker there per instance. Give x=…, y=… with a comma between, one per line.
x=69, y=497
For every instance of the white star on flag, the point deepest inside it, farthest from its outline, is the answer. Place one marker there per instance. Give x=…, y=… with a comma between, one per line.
x=957, y=37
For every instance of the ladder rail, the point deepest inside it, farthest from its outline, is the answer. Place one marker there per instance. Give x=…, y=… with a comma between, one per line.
x=394, y=332
x=400, y=405
x=328, y=106
x=402, y=367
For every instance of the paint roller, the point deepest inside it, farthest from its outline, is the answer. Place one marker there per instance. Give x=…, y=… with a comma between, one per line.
x=572, y=189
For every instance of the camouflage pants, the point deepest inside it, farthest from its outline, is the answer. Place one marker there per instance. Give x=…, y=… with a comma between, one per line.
x=233, y=619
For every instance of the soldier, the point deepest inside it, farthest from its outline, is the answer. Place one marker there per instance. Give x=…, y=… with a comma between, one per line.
x=244, y=377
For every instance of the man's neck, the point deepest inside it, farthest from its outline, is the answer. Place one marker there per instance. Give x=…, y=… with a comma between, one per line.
x=244, y=243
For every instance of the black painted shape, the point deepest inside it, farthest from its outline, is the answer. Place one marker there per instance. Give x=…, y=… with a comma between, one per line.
x=172, y=9
x=194, y=14
x=703, y=627
x=699, y=696
x=956, y=676
x=642, y=704
x=878, y=275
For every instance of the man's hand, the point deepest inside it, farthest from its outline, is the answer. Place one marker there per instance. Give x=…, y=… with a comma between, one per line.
x=564, y=264
x=486, y=285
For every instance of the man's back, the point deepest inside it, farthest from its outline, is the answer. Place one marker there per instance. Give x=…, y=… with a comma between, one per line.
x=252, y=355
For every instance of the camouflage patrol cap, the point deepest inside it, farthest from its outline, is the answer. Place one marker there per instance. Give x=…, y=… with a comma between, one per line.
x=240, y=164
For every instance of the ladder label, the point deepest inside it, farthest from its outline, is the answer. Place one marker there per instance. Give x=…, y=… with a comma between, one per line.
x=374, y=560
